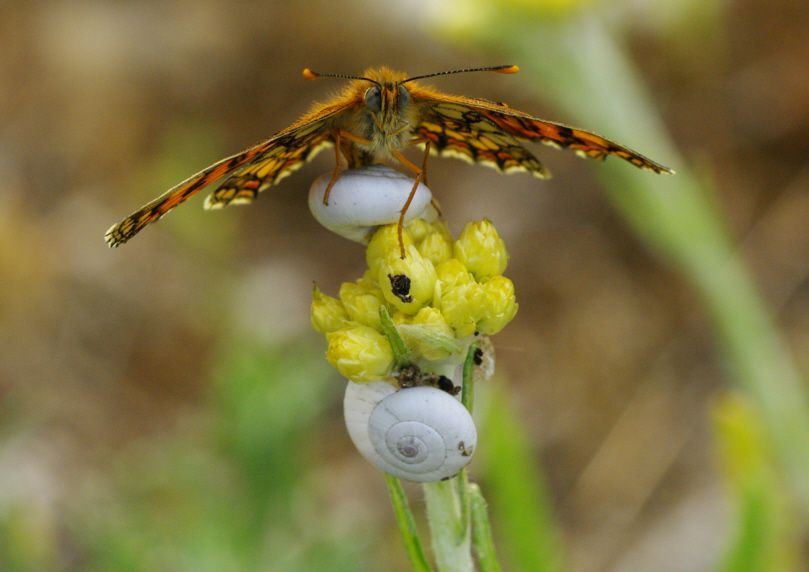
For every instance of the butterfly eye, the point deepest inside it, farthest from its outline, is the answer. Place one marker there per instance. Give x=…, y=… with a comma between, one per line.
x=404, y=96
x=373, y=98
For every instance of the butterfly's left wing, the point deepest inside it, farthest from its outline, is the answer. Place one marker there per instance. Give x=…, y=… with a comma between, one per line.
x=251, y=171
x=441, y=113
x=288, y=154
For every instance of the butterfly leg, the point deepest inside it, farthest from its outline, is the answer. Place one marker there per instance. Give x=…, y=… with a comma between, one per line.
x=347, y=135
x=336, y=172
x=427, y=143
x=419, y=177
x=424, y=162
x=433, y=202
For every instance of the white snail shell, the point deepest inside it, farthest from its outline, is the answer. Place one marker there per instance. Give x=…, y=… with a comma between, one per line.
x=362, y=199
x=419, y=434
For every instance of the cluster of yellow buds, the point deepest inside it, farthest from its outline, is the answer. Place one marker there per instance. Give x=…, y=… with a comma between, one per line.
x=439, y=295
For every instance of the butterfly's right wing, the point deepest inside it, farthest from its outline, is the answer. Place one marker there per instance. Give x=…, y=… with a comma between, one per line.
x=456, y=129
x=483, y=131
x=252, y=170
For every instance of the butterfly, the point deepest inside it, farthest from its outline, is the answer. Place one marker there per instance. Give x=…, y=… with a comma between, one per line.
x=372, y=120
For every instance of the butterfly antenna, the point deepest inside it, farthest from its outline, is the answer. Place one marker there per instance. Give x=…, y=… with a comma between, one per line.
x=309, y=73
x=498, y=69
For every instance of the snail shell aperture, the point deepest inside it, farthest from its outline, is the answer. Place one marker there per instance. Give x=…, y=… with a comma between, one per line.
x=418, y=433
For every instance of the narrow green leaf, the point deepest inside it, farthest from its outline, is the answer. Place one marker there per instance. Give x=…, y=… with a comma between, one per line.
x=482, y=532
x=401, y=356
x=516, y=488
x=407, y=525
x=463, y=500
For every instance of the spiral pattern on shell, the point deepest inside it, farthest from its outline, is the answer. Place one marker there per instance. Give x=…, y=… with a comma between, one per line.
x=419, y=434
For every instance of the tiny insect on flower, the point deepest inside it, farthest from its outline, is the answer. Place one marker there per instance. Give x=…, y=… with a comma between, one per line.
x=377, y=116
x=407, y=283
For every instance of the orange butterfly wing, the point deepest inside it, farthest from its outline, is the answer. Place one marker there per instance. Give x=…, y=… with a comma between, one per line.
x=287, y=154
x=252, y=171
x=458, y=130
x=443, y=114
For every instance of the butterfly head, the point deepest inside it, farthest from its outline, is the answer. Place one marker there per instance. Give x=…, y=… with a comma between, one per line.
x=386, y=99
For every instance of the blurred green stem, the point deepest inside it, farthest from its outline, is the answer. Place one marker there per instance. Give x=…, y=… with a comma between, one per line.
x=520, y=499
x=588, y=74
x=764, y=536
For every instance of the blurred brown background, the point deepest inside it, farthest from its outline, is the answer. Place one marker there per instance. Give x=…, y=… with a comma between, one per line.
x=611, y=358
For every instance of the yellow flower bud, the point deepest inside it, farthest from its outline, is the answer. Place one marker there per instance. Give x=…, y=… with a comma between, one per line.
x=384, y=241
x=462, y=307
x=419, y=229
x=499, y=307
x=359, y=353
x=368, y=282
x=440, y=226
x=407, y=283
x=452, y=273
x=327, y=313
x=361, y=301
x=449, y=274
x=436, y=248
x=481, y=250
x=429, y=335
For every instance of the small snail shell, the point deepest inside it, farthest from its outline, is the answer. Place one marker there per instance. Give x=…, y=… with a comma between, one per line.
x=419, y=433
x=363, y=199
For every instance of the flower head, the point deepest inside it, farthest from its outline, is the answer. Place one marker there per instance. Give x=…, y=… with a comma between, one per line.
x=438, y=295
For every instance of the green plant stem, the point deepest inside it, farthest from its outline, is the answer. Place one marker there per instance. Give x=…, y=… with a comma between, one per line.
x=468, y=386
x=407, y=525
x=449, y=510
x=467, y=398
x=482, y=532
x=452, y=553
